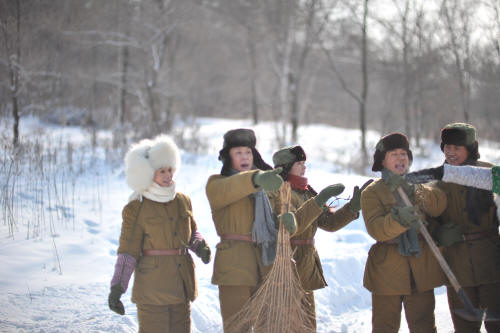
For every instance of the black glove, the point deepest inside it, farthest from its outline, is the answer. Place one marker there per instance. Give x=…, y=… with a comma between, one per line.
x=328, y=192
x=203, y=251
x=425, y=175
x=355, y=202
x=114, y=299
x=269, y=180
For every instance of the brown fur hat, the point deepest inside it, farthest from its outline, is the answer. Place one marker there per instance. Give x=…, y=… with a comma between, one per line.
x=389, y=142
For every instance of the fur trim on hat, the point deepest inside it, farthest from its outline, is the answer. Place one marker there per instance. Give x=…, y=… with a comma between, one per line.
x=390, y=142
x=461, y=134
x=289, y=155
x=147, y=156
x=240, y=137
x=164, y=153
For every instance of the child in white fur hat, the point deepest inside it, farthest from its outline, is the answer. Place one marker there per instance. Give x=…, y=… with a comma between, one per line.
x=158, y=229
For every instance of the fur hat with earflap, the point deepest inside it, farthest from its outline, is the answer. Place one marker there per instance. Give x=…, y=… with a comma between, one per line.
x=147, y=156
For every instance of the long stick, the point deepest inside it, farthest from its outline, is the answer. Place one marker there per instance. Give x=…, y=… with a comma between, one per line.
x=469, y=313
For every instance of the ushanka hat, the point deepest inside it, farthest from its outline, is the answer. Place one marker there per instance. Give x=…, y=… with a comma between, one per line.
x=240, y=137
x=286, y=157
x=390, y=142
x=147, y=156
x=461, y=134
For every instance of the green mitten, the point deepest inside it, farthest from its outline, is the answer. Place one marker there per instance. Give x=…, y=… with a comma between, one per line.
x=203, y=251
x=355, y=202
x=114, y=302
x=328, y=192
x=289, y=222
x=406, y=216
x=449, y=234
x=394, y=181
x=269, y=180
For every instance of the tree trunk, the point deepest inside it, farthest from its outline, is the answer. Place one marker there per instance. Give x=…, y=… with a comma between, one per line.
x=123, y=88
x=254, y=104
x=14, y=63
x=364, y=91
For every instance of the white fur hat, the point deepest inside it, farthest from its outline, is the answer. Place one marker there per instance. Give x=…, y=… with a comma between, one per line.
x=147, y=156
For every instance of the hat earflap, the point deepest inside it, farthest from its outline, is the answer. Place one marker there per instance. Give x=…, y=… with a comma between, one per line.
x=138, y=170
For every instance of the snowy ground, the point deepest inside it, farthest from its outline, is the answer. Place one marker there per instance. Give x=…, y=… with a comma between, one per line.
x=58, y=281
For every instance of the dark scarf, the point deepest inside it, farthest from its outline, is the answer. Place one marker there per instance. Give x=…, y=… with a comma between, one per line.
x=477, y=201
x=407, y=241
x=298, y=182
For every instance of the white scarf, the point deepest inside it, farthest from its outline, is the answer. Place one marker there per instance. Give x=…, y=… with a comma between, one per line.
x=156, y=193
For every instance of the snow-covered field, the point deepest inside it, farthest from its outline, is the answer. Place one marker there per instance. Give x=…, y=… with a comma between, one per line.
x=57, y=279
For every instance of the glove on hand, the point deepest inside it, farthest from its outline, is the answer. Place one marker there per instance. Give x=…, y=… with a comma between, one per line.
x=289, y=222
x=394, y=181
x=355, y=202
x=425, y=175
x=328, y=192
x=114, y=299
x=449, y=234
x=203, y=251
x=406, y=216
x=269, y=180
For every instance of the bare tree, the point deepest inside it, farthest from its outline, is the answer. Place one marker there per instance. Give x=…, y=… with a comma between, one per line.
x=245, y=14
x=10, y=25
x=457, y=17
x=358, y=17
x=292, y=29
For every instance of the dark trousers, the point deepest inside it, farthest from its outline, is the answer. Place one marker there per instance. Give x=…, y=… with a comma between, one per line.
x=232, y=299
x=484, y=296
x=174, y=318
x=419, y=312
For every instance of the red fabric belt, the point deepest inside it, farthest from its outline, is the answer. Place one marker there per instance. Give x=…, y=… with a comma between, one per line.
x=169, y=252
x=480, y=235
x=244, y=238
x=298, y=242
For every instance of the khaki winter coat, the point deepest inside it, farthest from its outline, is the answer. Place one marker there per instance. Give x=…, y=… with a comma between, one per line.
x=238, y=263
x=167, y=279
x=387, y=272
x=309, y=219
x=473, y=262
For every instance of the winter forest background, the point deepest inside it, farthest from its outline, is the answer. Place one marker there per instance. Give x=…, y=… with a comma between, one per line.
x=82, y=79
x=369, y=64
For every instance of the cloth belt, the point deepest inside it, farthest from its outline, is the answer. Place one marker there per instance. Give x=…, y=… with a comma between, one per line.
x=244, y=238
x=480, y=235
x=390, y=241
x=394, y=240
x=298, y=242
x=169, y=252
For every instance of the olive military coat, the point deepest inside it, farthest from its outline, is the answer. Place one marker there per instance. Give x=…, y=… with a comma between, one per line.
x=306, y=257
x=474, y=262
x=239, y=263
x=387, y=272
x=151, y=225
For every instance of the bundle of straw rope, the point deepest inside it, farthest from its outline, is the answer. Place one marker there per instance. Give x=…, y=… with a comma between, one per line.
x=279, y=305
